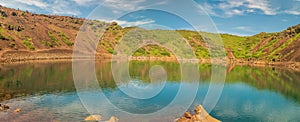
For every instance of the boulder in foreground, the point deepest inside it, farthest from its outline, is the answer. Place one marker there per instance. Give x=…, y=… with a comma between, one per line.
x=200, y=116
x=93, y=118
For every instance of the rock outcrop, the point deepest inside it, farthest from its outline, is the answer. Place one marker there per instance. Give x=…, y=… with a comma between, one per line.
x=99, y=118
x=200, y=116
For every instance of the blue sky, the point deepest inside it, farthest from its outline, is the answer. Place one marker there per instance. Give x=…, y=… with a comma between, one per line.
x=240, y=17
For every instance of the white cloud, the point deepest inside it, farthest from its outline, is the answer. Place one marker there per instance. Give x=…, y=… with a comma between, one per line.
x=124, y=23
x=122, y=4
x=235, y=33
x=119, y=6
x=136, y=23
x=63, y=7
x=208, y=8
x=14, y=4
x=294, y=12
x=250, y=10
x=38, y=3
x=262, y=5
x=231, y=8
x=239, y=7
x=236, y=12
x=244, y=28
x=86, y=2
x=52, y=7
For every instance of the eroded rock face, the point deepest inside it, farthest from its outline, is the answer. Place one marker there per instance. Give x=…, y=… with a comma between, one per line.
x=200, y=116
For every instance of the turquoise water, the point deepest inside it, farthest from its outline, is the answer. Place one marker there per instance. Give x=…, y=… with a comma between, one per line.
x=46, y=92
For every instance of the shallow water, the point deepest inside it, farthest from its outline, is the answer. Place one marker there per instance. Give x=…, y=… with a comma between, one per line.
x=46, y=92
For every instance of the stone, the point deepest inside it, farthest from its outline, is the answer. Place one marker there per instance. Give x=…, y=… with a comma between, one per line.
x=93, y=118
x=187, y=115
x=17, y=110
x=3, y=107
x=113, y=119
x=200, y=116
x=183, y=119
x=198, y=109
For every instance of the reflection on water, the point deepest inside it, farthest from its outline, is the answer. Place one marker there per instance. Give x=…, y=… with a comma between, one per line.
x=46, y=92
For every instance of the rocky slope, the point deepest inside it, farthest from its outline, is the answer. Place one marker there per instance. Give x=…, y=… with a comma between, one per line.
x=29, y=36
x=282, y=46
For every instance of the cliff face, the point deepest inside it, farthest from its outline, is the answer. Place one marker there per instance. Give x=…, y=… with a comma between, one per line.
x=24, y=33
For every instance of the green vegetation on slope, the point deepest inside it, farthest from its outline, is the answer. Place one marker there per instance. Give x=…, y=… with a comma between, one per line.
x=28, y=43
x=65, y=39
x=53, y=38
x=152, y=50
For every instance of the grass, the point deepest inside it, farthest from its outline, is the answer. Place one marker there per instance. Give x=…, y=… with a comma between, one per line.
x=44, y=42
x=152, y=50
x=65, y=39
x=47, y=43
x=240, y=46
x=53, y=38
x=12, y=44
x=2, y=37
x=28, y=43
x=50, y=44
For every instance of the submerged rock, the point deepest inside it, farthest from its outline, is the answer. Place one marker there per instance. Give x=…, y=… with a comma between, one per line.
x=200, y=116
x=17, y=110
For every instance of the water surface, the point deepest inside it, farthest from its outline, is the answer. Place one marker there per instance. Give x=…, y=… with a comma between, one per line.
x=46, y=92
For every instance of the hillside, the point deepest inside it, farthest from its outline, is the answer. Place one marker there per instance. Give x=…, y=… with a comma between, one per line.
x=29, y=36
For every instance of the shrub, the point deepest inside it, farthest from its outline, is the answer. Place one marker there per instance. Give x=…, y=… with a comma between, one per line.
x=65, y=39
x=20, y=28
x=14, y=14
x=50, y=44
x=11, y=38
x=53, y=38
x=111, y=51
x=44, y=42
x=12, y=44
x=3, y=37
x=11, y=27
x=3, y=13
